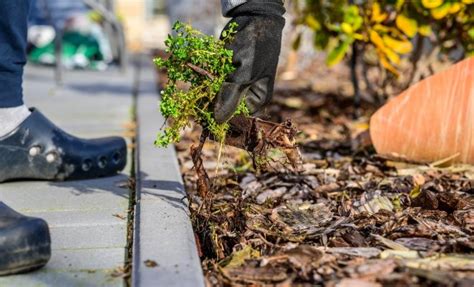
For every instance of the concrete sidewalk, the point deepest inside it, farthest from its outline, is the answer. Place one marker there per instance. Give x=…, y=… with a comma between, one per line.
x=88, y=219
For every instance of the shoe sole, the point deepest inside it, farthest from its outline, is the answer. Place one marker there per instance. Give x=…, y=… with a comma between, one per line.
x=22, y=269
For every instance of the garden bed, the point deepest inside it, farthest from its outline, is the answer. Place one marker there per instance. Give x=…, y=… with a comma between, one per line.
x=350, y=218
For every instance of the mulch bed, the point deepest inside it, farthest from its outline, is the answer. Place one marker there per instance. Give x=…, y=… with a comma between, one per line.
x=350, y=218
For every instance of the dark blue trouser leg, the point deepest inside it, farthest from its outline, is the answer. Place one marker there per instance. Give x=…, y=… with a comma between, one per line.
x=13, y=29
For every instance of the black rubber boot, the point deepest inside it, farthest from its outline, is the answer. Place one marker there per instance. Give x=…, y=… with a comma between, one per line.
x=37, y=149
x=25, y=243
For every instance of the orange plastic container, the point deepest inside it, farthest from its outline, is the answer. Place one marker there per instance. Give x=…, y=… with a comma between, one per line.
x=432, y=120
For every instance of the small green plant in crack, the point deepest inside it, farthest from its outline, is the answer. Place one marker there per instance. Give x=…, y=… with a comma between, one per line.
x=197, y=66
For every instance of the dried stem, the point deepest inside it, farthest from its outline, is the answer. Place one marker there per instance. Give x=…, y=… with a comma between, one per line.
x=200, y=71
x=203, y=179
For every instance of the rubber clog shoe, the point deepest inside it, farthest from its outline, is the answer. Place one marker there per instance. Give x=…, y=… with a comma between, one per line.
x=25, y=243
x=37, y=149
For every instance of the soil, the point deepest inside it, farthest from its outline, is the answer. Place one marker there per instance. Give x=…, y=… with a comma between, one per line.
x=350, y=218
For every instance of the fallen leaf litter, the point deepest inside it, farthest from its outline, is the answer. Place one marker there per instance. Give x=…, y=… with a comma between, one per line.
x=350, y=218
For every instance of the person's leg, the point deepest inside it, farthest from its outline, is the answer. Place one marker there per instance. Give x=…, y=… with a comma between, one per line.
x=13, y=29
x=25, y=243
x=31, y=146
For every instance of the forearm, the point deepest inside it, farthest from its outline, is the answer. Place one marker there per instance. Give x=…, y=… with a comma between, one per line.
x=270, y=5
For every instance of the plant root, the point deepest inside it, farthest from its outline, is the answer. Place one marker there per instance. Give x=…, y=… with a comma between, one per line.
x=203, y=183
x=258, y=137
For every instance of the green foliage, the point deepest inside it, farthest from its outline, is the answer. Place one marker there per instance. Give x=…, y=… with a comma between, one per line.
x=387, y=26
x=202, y=63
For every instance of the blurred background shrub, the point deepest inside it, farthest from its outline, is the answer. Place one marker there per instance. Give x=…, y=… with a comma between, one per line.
x=403, y=40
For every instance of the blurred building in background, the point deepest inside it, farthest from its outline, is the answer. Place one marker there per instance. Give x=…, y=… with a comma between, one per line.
x=148, y=22
x=85, y=38
x=91, y=41
x=99, y=27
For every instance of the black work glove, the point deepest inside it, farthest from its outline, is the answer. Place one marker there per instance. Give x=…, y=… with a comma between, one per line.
x=256, y=49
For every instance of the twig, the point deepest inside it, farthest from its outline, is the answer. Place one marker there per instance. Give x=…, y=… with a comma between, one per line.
x=415, y=57
x=200, y=71
x=355, y=82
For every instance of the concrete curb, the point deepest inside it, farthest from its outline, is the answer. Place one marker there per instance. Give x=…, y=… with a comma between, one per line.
x=163, y=232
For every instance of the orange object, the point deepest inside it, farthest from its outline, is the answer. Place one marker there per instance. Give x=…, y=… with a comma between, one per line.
x=430, y=121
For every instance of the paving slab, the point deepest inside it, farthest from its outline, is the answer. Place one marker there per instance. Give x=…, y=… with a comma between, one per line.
x=163, y=232
x=35, y=196
x=48, y=278
x=66, y=218
x=91, y=236
x=86, y=259
x=87, y=218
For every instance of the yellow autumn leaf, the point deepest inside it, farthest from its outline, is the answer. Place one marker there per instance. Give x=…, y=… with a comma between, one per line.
x=441, y=11
x=238, y=257
x=337, y=54
x=358, y=36
x=386, y=64
x=455, y=7
x=407, y=25
x=395, y=33
x=377, y=15
x=312, y=22
x=425, y=30
x=376, y=39
x=399, y=4
x=468, y=1
x=392, y=56
x=415, y=192
x=430, y=4
x=399, y=46
x=346, y=28
x=380, y=28
x=379, y=43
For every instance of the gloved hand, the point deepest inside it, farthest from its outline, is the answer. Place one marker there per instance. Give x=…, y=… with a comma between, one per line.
x=256, y=49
